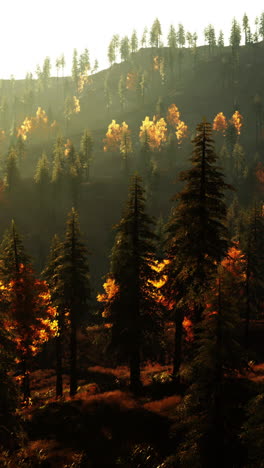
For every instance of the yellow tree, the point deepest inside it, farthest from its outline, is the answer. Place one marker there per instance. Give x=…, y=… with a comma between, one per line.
x=181, y=131
x=237, y=121
x=173, y=115
x=112, y=138
x=220, y=123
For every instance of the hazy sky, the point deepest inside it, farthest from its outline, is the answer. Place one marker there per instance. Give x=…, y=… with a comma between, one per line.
x=34, y=29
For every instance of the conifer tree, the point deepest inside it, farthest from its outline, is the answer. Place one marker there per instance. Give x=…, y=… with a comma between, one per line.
x=12, y=254
x=42, y=175
x=75, y=68
x=12, y=175
x=86, y=153
x=197, y=236
x=134, y=42
x=155, y=33
x=133, y=312
x=72, y=282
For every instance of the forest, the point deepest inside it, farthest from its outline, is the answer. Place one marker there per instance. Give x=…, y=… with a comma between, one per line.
x=131, y=263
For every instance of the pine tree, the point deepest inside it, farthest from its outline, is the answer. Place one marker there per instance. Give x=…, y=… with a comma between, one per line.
x=134, y=311
x=86, y=153
x=42, y=175
x=197, y=236
x=73, y=284
x=12, y=255
x=125, y=49
x=75, y=68
x=134, y=42
x=155, y=34
x=12, y=175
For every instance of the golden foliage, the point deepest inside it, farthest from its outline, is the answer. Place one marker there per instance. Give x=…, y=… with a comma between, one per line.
x=220, y=123
x=131, y=80
x=113, y=137
x=173, y=115
x=237, y=121
x=83, y=80
x=40, y=121
x=181, y=131
x=111, y=290
x=31, y=317
x=156, y=131
x=235, y=262
x=76, y=105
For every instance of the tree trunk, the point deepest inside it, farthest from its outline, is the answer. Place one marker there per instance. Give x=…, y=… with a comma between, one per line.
x=73, y=357
x=177, y=358
x=59, y=382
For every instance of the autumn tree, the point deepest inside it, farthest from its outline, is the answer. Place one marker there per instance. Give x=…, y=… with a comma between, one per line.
x=30, y=315
x=73, y=285
x=51, y=274
x=220, y=123
x=133, y=312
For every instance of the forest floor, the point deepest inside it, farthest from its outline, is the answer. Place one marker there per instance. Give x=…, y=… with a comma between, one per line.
x=103, y=422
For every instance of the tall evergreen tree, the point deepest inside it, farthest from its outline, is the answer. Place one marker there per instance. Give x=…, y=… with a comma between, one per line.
x=197, y=236
x=73, y=284
x=134, y=311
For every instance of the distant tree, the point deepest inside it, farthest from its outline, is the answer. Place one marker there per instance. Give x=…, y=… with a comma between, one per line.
x=46, y=72
x=107, y=93
x=256, y=33
x=189, y=39
x=155, y=34
x=96, y=66
x=84, y=62
x=209, y=35
x=134, y=42
x=122, y=91
x=181, y=35
x=220, y=41
x=125, y=145
x=172, y=37
x=144, y=37
x=42, y=177
x=86, y=153
x=73, y=284
x=261, y=26
x=125, y=49
x=12, y=174
x=235, y=38
x=245, y=27
x=75, y=67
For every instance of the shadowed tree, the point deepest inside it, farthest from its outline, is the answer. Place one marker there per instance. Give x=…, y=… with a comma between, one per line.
x=196, y=232
x=133, y=311
x=72, y=282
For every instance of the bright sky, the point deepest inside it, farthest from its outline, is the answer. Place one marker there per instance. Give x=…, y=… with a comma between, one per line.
x=34, y=29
